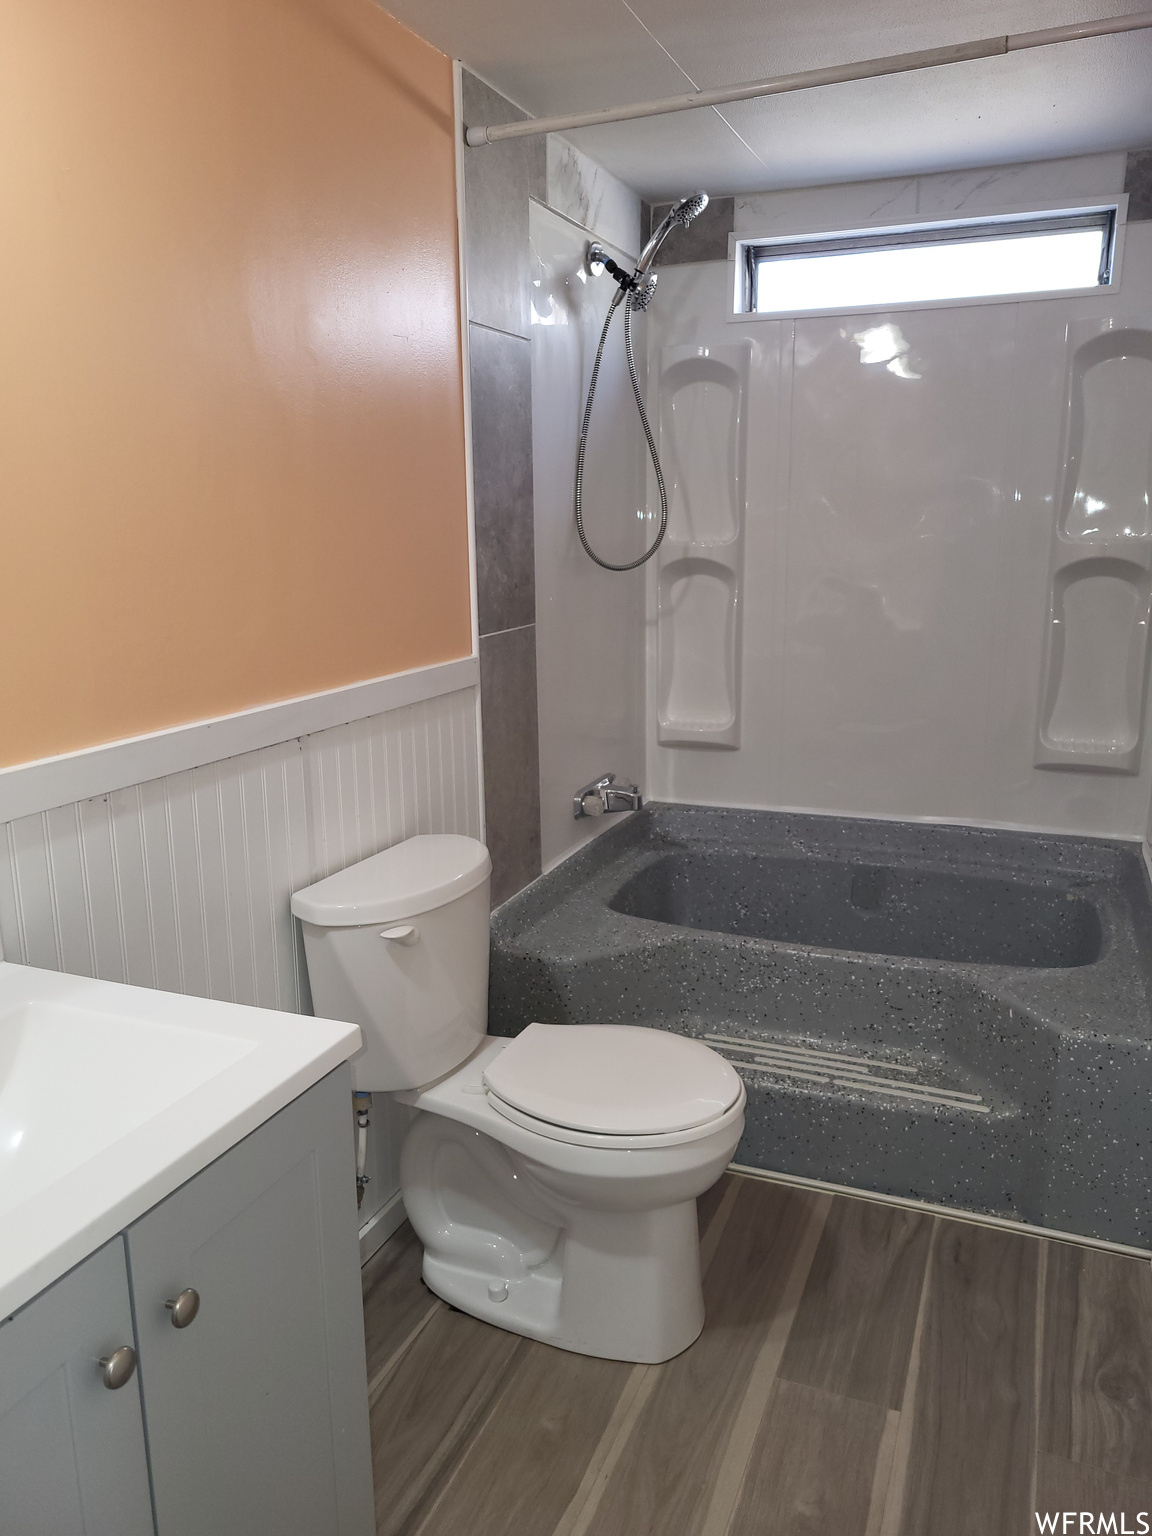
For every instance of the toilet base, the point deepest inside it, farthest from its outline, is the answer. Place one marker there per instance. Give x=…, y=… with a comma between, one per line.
x=503, y=1244
x=608, y=1291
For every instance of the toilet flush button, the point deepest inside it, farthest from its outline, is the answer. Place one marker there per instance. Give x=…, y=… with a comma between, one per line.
x=497, y=1290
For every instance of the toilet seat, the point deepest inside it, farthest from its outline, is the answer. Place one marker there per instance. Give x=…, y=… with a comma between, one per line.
x=596, y=1085
x=651, y=1141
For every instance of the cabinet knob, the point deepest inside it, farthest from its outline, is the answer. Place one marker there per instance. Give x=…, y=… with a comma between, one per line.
x=118, y=1368
x=184, y=1308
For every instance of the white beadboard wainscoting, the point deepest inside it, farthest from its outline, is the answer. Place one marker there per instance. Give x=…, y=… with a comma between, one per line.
x=184, y=882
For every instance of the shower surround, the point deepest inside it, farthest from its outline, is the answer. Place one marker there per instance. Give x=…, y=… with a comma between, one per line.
x=908, y=570
x=950, y=1014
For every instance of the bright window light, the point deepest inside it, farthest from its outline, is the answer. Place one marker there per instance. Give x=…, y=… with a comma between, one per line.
x=910, y=267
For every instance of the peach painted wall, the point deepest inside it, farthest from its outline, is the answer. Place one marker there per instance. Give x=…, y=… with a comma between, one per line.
x=231, y=422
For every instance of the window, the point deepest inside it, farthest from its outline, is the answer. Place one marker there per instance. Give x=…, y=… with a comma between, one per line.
x=989, y=258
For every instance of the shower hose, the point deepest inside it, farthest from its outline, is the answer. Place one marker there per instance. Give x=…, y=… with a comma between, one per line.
x=630, y=302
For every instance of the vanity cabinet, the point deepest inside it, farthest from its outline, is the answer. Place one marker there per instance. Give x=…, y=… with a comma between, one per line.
x=72, y=1460
x=257, y=1410
x=250, y=1393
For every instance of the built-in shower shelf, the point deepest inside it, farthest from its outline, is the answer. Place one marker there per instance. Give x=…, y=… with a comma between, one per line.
x=1100, y=595
x=1135, y=548
x=699, y=662
x=703, y=431
x=719, y=551
x=1092, y=713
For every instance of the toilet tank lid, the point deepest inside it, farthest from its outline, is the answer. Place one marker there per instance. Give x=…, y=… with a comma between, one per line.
x=409, y=878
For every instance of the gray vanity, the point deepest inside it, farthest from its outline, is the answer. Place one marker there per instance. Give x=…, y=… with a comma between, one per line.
x=237, y=1298
x=195, y=1367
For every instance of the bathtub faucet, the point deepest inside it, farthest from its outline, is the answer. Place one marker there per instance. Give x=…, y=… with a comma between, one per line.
x=604, y=794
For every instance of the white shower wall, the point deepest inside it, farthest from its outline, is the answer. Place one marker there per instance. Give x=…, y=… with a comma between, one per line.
x=901, y=477
x=589, y=622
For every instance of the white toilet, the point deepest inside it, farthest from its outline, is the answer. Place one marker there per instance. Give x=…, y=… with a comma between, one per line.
x=552, y=1178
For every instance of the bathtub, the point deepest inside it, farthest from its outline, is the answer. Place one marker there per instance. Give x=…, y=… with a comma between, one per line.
x=955, y=1015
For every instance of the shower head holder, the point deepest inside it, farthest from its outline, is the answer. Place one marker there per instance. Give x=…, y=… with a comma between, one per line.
x=598, y=260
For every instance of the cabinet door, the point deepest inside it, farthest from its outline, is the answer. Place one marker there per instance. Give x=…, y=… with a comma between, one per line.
x=257, y=1410
x=72, y=1457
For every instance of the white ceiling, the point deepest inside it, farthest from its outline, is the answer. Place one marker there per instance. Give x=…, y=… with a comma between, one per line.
x=554, y=56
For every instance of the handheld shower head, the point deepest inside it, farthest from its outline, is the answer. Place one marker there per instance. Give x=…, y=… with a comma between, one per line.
x=643, y=294
x=682, y=214
x=688, y=208
x=635, y=291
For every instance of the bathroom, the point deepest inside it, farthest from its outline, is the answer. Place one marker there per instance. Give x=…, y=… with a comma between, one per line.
x=304, y=647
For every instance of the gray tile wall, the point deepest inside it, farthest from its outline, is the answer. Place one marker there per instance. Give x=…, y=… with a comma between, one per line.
x=705, y=239
x=498, y=181
x=1138, y=184
x=502, y=478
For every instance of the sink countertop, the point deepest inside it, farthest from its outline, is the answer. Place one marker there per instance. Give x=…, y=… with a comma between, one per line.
x=112, y=1096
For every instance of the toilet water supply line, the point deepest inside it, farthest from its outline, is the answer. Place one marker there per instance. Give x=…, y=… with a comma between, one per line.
x=361, y=1103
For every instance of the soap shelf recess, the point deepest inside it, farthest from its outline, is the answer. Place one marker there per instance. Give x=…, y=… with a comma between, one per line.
x=1100, y=590
x=703, y=444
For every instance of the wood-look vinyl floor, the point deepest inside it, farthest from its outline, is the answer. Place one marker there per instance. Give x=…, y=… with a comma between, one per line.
x=864, y=1369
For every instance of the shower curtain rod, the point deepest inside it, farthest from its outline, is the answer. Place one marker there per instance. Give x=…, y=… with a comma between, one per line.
x=866, y=69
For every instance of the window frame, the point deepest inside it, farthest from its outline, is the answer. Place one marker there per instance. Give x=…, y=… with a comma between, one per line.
x=746, y=250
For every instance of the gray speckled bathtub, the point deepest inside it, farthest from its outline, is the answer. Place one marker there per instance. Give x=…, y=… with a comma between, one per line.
x=952, y=1014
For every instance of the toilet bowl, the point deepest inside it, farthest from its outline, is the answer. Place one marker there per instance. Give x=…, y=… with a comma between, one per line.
x=552, y=1178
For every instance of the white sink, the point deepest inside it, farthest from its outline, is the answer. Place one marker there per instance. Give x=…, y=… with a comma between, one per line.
x=112, y=1096
x=73, y=1081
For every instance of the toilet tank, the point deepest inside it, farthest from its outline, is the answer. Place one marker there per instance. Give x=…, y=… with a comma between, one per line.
x=399, y=945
